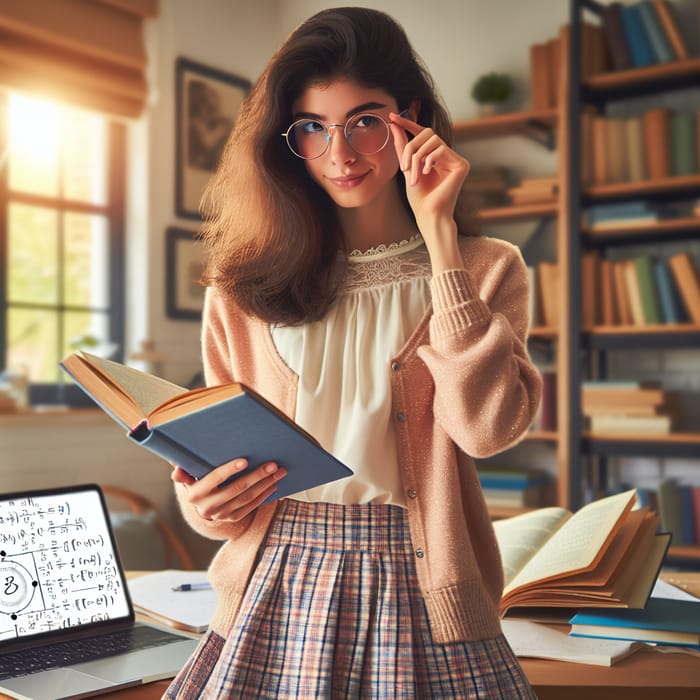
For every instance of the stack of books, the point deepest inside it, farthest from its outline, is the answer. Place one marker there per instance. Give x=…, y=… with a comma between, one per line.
x=486, y=187
x=662, y=621
x=627, y=407
x=514, y=488
x=535, y=190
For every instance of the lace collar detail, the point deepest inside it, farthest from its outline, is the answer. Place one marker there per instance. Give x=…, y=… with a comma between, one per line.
x=385, y=251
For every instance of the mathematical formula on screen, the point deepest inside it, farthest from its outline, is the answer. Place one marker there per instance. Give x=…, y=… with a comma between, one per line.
x=57, y=565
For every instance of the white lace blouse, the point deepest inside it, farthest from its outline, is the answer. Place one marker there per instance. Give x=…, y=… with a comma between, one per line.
x=343, y=364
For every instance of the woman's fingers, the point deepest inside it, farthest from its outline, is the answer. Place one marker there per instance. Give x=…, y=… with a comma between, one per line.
x=215, y=500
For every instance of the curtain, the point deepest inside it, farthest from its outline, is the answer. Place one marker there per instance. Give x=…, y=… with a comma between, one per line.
x=89, y=53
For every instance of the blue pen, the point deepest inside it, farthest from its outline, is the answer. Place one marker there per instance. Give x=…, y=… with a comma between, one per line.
x=192, y=586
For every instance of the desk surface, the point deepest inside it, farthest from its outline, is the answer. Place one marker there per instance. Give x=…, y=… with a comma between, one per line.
x=645, y=675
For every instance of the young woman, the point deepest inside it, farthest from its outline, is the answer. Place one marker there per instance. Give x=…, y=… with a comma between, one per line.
x=341, y=288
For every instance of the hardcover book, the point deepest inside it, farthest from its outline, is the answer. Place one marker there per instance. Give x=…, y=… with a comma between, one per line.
x=201, y=429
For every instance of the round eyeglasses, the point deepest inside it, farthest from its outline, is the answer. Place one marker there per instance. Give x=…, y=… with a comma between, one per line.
x=365, y=133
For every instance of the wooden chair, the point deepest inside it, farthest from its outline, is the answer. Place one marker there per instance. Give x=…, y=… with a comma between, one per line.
x=136, y=521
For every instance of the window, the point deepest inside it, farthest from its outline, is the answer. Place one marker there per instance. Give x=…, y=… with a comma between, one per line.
x=61, y=240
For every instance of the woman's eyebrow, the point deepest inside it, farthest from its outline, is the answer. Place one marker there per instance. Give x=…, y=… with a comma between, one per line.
x=365, y=107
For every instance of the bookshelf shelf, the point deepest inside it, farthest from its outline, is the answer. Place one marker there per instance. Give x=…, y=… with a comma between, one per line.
x=643, y=81
x=667, y=230
x=512, y=124
x=652, y=336
x=542, y=435
x=673, y=445
x=543, y=332
x=688, y=552
x=677, y=186
x=519, y=212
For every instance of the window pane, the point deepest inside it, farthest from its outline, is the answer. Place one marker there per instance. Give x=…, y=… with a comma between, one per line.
x=86, y=280
x=32, y=255
x=84, y=144
x=86, y=331
x=33, y=145
x=33, y=343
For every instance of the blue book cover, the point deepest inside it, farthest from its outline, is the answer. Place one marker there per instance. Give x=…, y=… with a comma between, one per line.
x=202, y=429
x=670, y=307
x=636, y=35
x=660, y=45
x=663, y=620
x=620, y=210
x=510, y=479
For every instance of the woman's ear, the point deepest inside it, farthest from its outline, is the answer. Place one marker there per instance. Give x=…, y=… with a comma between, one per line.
x=414, y=110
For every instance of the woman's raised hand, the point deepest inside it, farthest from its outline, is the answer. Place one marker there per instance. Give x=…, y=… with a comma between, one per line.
x=234, y=501
x=434, y=173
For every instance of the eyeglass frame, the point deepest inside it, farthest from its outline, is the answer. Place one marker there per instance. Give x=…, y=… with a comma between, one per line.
x=328, y=128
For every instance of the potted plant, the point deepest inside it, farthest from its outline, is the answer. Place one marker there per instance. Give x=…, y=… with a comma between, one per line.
x=491, y=91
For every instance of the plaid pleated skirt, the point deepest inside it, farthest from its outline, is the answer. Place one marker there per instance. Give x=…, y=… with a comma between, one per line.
x=333, y=610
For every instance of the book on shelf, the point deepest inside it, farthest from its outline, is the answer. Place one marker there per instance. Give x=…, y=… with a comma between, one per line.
x=634, y=137
x=661, y=621
x=514, y=488
x=611, y=21
x=634, y=292
x=621, y=295
x=657, y=142
x=668, y=20
x=590, y=289
x=684, y=143
x=608, y=294
x=587, y=147
x=617, y=160
x=600, y=150
x=686, y=14
x=615, y=394
x=606, y=554
x=547, y=274
x=636, y=37
x=687, y=279
x=621, y=215
x=676, y=504
x=626, y=424
x=201, y=429
x=651, y=300
x=660, y=44
x=670, y=303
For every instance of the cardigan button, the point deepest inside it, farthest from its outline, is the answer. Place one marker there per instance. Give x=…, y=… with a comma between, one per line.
x=395, y=366
x=401, y=417
x=420, y=553
x=412, y=493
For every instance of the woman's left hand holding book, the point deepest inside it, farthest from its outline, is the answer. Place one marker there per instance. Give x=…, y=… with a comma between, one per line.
x=215, y=500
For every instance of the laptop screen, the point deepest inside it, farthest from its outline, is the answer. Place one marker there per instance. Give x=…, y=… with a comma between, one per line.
x=59, y=566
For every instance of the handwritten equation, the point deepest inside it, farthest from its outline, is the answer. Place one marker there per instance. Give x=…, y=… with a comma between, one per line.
x=57, y=565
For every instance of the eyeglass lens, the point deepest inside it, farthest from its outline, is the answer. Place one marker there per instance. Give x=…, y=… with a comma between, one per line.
x=366, y=134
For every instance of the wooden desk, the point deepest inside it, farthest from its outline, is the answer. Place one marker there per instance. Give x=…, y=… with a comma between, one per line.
x=645, y=675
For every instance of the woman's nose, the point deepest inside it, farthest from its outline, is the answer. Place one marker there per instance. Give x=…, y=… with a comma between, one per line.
x=340, y=149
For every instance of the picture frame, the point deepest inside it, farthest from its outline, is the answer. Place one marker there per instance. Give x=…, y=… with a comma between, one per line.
x=185, y=257
x=207, y=103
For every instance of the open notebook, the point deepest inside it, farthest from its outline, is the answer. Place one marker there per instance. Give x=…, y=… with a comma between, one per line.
x=67, y=624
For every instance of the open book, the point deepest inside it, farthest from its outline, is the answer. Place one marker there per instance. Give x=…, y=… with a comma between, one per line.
x=607, y=554
x=203, y=428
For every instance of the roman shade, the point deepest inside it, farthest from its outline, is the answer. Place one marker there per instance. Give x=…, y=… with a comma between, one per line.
x=89, y=53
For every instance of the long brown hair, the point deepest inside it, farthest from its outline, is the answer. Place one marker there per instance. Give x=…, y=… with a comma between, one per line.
x=272, y=233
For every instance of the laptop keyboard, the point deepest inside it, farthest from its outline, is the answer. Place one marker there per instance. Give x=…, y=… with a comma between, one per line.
x=76, y=651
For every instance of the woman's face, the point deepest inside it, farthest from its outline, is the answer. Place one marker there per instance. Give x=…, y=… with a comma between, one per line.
x=350, y=179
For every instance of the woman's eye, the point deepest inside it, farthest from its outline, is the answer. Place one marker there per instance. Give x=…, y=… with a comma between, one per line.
x=312, y=127
x=366, y=121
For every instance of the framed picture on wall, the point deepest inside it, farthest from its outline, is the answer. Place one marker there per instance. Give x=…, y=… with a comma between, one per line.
x=184, y=260
x=207, y=103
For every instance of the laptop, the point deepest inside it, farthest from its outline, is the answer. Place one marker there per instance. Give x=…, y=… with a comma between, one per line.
x=67, y=624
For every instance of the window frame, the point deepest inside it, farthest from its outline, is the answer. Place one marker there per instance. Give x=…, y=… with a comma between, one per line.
x=114, y=210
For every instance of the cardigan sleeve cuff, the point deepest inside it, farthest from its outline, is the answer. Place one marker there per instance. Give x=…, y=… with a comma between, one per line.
x=456, y=305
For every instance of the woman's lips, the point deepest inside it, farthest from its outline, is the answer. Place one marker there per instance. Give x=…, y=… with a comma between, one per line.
x=348, y=182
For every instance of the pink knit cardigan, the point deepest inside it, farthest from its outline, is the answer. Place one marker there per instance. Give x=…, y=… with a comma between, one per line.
x=463, y=386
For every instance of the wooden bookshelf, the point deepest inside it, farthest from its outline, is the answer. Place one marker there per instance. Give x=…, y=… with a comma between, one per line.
x=664, y=76
x=676, y=184
x=515, y=212
x=511, y=124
